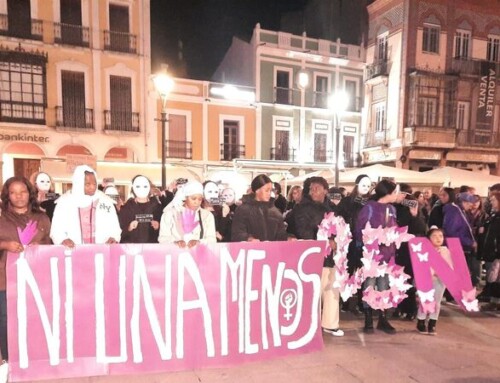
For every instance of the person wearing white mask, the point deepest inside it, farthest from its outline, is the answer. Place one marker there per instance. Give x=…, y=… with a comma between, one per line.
x=84, y=214
x=45, y=192
x=140, y=216
x=349, y=208
x=184, y=222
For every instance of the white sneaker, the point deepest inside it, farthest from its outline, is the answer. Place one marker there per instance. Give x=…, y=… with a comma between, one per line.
x=4, y=371
x=334, y=331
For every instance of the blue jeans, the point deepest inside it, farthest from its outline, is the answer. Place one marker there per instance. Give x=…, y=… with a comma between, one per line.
x=3, y=325
x=379, y=284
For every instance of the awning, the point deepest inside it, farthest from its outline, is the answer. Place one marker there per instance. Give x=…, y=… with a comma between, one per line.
x=121, y=172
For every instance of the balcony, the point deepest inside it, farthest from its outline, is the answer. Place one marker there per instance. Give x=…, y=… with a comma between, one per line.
x=229, y=152
x=378, y=138
x=74, y=120
x=71, y=34
x=323, y=156
x=430, y=137
x=179, y=149
x=282, y=154
x=320, y=99
x=378, y=68
x=31, y=31
x=120, y=42
x=117, y=121
x=471, y=67
x=283, y=96
x=478, y=138
x=22, y=112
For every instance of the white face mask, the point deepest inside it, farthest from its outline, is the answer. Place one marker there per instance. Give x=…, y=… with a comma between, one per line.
x=364, y=186
x=211, y=191
x=43, y=182
x=141, y=187
x=228, y=196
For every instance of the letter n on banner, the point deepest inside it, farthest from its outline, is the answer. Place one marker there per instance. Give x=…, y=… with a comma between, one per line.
x=426, y=260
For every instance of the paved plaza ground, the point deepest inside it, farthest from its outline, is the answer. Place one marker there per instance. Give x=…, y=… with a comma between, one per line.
x=466, y=349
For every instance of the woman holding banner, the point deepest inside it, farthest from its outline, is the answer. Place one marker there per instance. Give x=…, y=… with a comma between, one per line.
x=140, y=216
x=22, y=223
x=184, y=222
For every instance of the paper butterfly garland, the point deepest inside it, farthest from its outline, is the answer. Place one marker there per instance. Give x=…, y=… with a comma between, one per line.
x=372, y=267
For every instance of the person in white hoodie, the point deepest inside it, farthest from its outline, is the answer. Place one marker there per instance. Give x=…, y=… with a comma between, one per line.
x=84, y=215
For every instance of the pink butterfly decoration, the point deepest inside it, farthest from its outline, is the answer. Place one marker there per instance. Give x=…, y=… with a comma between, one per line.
x=428, y=307
x=27, y=234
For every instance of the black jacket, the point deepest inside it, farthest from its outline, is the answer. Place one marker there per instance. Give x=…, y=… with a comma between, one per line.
x=307, y=215
x=491, y=242
x=259, y=220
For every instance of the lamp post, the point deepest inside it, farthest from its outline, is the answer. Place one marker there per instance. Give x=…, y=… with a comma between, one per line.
x=164, y=85
x=337, y=104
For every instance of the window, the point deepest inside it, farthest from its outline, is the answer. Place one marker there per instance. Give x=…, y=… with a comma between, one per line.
x=348, y=151
x=463, y=115
x=321, y=91
x=283, y=92
x=320, y=145
x=430, y=43
x=427, y=111
x=118, y=38
x=379, y=122
x=120, y=117
x=70, y=30
x=382, y=48
x=22, y=87
x=177, y=144
x=73, y=99
x=351, y=90
x=231, y=147
x=19, y=18
x=462, y=44
x=282, y=151
x=493, y=48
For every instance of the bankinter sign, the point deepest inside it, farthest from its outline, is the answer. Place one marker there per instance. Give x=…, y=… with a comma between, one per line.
x=23, y=137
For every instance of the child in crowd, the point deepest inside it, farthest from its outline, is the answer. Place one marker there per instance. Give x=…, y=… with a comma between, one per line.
x=436, y=236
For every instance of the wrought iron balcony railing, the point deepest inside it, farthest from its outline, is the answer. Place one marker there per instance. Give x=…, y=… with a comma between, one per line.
x=118, y=121
x=33, y=31
x=282, y=154
x=120, y=42
x=283, y=95
x=71, y=34
x=229, y=152
x=323, y=156
x=75, y=119
x=179, y=149
x=378, y=68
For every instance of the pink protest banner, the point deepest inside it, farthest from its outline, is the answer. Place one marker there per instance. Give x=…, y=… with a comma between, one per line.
x=427, y=261
x=132, y=309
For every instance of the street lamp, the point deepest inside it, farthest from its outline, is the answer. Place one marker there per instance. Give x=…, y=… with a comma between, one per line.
x=164, y=85
x=337, y=103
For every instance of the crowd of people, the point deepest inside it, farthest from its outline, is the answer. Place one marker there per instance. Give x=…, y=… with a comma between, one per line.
x=195, y=213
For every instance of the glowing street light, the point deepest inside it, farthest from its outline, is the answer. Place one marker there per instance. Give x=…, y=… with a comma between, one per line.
x=163, y=84
x=337, y=103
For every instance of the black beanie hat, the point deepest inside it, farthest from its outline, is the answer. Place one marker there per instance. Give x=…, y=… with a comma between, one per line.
x=360, y=177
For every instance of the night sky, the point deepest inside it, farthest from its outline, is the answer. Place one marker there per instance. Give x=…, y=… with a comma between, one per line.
x=206, y=28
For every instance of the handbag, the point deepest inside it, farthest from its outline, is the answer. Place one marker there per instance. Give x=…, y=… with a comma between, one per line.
x=493, y=275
